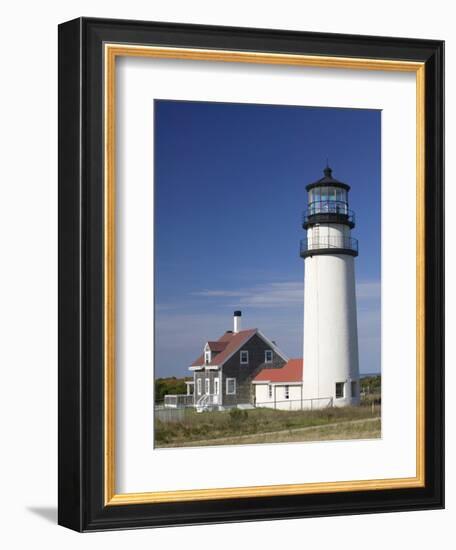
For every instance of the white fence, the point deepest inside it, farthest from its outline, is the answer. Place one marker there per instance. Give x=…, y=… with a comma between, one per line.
x=181, y=413
x=297, y=404
x=170, y=414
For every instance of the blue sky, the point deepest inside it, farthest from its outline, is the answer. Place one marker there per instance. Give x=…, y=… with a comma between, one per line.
x=229, y=192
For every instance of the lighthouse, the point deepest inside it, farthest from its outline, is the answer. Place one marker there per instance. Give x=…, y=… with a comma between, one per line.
x=331, y=366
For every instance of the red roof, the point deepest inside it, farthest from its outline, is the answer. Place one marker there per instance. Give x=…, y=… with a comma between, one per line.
x=232, y=342
x=290, y=372
x=217, y=346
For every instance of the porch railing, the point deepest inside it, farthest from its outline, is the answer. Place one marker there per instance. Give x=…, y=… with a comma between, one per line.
x=206, y=401
x=178, y=401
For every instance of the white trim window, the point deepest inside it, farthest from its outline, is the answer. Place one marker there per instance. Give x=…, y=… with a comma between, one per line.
x=340, y=390
x=207, y=354
x=198, y=386
x=207, y=386
x=244, y=357
x=268, y=356
x=231, y=386
x=216, y=386
x=287, y=392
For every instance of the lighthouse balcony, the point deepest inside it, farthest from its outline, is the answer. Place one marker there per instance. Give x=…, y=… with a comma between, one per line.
x=328, y=211
x=326, y=244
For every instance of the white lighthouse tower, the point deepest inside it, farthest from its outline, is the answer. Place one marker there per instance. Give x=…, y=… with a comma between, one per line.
x=331, y=369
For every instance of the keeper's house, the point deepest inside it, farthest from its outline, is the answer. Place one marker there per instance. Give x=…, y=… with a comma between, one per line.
x=223, y=373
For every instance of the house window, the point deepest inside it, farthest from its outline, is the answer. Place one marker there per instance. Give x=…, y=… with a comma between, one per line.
x=270, y=391
x=340, y=390
x=207, y=383
x=354, y=388
x=216, y=386
x=268, y=356
x=287, y=392
x=244, y=357
x=231, y=386
x=207, y=357
x=198, y=386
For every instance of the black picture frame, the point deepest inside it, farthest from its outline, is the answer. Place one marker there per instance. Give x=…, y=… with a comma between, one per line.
x=81, y=325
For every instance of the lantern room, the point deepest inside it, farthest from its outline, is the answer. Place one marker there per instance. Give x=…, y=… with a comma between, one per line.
x=327, y=202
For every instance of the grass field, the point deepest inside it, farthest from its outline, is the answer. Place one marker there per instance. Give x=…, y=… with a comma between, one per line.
x=241, y=427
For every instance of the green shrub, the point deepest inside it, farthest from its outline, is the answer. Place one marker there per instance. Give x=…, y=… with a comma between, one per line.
x=238, y=416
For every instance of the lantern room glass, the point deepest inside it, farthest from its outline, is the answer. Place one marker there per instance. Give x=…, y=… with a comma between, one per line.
x=327, y=199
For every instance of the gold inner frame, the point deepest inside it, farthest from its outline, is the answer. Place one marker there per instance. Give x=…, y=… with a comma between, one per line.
x=111, y=52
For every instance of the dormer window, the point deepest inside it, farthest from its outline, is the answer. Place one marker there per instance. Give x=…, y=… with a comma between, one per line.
x=244, y=357
x=207, y=354
x=268, y=356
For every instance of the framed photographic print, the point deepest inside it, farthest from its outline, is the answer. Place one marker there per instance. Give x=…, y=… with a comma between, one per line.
x=250, y=274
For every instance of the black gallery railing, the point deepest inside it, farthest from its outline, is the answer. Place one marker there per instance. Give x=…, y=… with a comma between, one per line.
x=334, y=211
x=328, y=242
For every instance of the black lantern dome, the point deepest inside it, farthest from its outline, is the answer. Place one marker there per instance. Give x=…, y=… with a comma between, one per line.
x=328, y=180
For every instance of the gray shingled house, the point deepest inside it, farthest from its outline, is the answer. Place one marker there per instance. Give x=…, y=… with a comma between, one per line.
x=223, y=373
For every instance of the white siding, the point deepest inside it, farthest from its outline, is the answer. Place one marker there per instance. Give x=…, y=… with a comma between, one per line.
x=278, y=400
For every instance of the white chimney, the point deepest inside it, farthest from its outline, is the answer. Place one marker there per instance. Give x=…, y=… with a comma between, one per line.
x=237, y=322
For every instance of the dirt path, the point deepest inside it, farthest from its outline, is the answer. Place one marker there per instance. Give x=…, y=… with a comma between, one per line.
x=288, y=433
